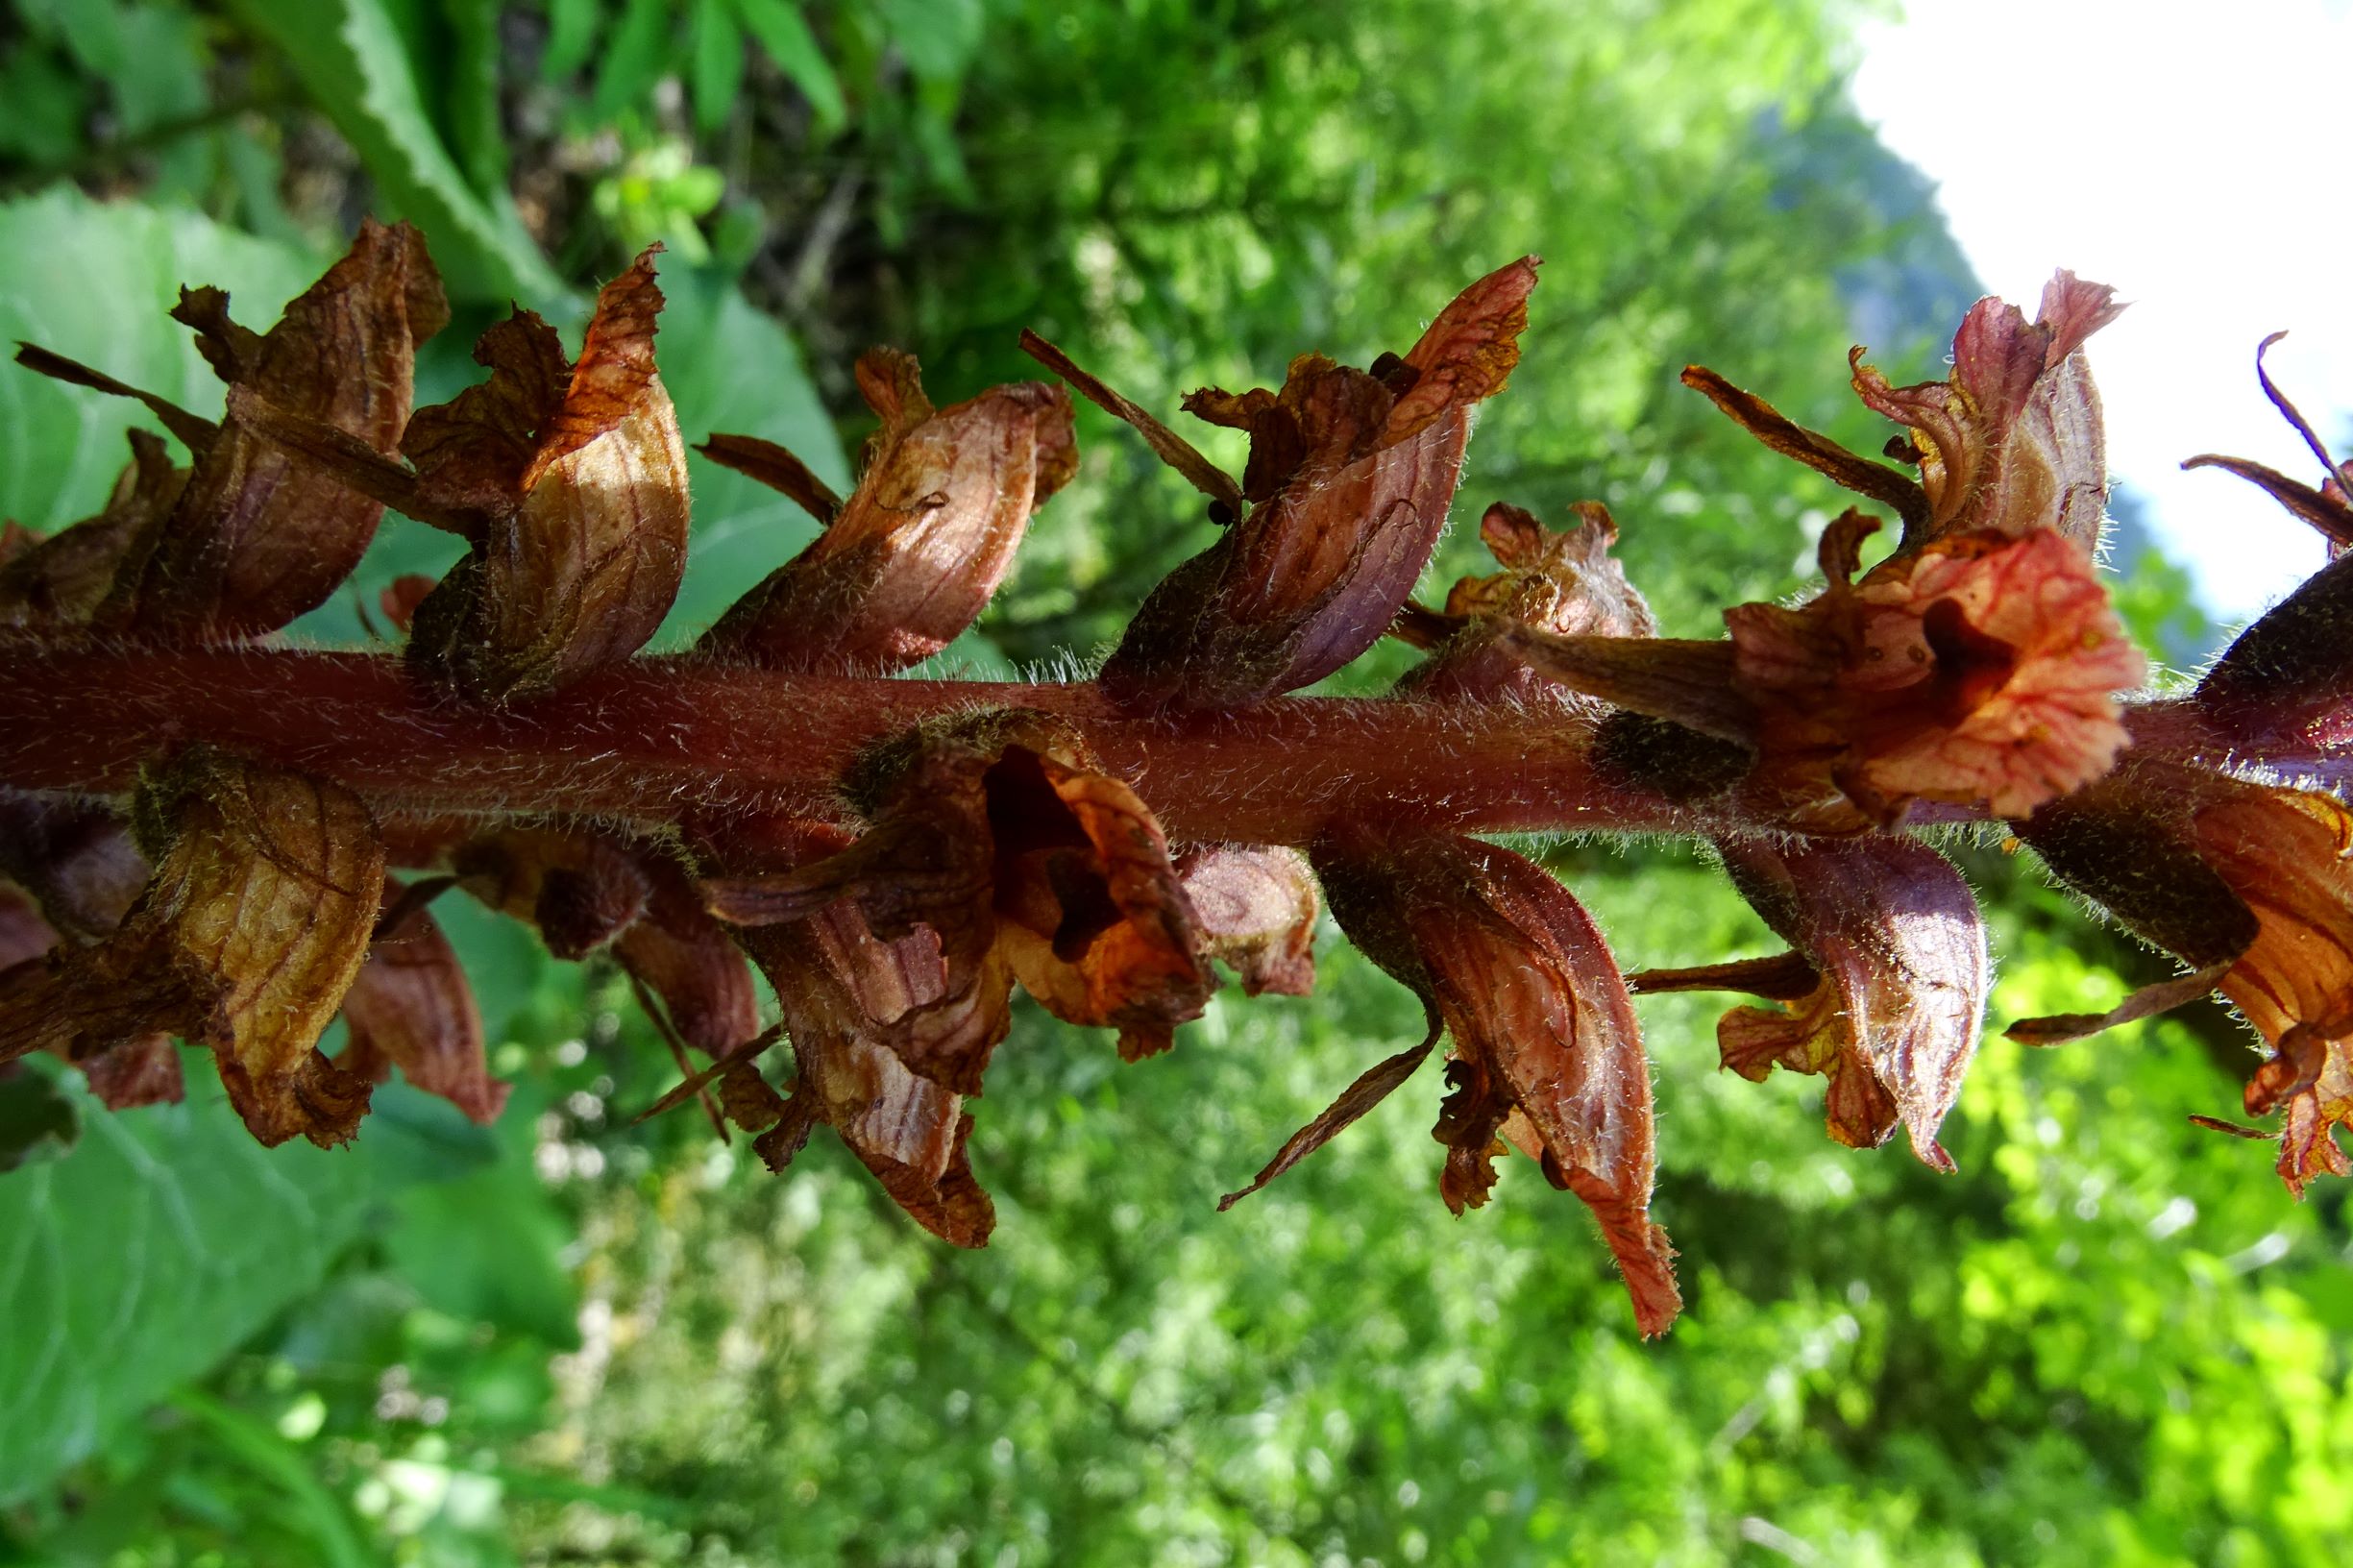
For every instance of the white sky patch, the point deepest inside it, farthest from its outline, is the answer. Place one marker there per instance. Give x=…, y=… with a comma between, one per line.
x=2192, y=156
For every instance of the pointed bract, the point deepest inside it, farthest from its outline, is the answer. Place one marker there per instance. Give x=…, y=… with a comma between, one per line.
x=1541, y=1023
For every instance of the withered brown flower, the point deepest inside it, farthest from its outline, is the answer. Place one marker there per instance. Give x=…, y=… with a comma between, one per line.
x=1546, y=1049
x=912, y=557
x=566, y=478
x=1350, y=477
x=1884, y=986
x=249, y=538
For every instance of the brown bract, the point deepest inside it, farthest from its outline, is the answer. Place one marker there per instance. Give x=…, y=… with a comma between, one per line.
x=1544, y=1034
x=254, y=537
x=409, y=1007
x=252, y=928
x=909, y=561
x=58, y=582
x=1350, y=477
x=2009, y=444
x=1889, y=992
x=1979, y=671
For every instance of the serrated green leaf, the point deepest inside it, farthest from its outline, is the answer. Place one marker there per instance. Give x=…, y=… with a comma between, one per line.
x=349, y=57
x=786, y=39
x=165, y=1238
x=470, y=92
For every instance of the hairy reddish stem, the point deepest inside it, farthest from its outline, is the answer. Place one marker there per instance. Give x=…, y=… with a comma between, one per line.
x=655, y=740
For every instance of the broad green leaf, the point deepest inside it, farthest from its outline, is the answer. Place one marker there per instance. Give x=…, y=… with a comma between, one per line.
x=786, y=39
x=936, y=37
x=92, y=281
x=165, y=1238
x=349, y=57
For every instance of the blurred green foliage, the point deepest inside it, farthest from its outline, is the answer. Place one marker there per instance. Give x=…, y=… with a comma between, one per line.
x=2110, y=1339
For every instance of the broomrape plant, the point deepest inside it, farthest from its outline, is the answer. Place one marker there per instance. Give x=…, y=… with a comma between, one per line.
x=199, y=824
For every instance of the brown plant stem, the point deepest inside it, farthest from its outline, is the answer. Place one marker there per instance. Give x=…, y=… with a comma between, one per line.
x=655, y=740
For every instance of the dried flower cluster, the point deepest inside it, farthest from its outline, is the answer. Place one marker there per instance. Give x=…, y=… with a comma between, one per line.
x=196, y=821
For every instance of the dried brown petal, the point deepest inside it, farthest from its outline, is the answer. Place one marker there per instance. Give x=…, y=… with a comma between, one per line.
x=1091, y=917
x=579, y=888
x=257, y=536
x=578, y=549
x=1897, y=941
x=60, y=581
x=410, y=1007
x=1254, y=909
x=912, y=557
x=257, y=917
x=907, y=1130
x=2012, y=442
x=144, y=1070
x=1350, y=477
x=1541, y=1022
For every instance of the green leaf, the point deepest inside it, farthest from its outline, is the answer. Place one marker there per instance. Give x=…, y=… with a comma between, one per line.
x=165, y=1238
x=488, y=1249
x=349, y=57
x=635, y=58
x=470, y=92
x=572, y=38
x=731, y=367
x=786, y=39
x=37, y=1120
x=718, y=65
x=93, y=281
